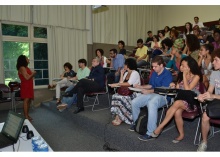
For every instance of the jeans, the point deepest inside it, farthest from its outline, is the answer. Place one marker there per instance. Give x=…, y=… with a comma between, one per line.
x=64, y=82
x=153, y=102
x=70, y=100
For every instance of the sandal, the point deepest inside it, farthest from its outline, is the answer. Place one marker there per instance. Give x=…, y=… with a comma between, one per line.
x=58, y=102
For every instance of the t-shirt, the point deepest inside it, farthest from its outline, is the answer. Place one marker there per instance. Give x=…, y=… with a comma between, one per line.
x=71, y=73
x=215, y=81
x=82, y=73
x=122, y=51
x=141, y=52
x=134, y=78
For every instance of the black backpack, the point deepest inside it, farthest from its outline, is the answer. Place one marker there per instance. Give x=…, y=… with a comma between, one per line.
x=141, y=122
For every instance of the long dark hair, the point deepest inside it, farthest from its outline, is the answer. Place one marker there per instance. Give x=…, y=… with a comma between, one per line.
x=21, y=61
x=194, y=68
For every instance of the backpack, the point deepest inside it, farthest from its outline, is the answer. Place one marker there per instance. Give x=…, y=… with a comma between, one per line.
x=141, y=122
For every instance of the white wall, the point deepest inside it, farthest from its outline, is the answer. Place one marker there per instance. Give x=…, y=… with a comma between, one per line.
x=178, y=15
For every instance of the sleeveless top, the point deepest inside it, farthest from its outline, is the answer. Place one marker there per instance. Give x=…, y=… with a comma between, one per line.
x=27, y=87
x=195, y=89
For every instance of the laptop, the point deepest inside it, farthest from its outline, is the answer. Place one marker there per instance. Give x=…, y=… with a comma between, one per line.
x=11, y=129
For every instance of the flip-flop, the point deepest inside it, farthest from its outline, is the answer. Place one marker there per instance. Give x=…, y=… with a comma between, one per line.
x=176, y=141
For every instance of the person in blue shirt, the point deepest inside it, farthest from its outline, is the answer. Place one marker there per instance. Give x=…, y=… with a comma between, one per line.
x=117, y=63
x=160, y=77
x=95, y=82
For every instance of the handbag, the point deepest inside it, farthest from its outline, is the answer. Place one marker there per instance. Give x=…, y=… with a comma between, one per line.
x=213, y=109
x=188, y=96
x=124, y=90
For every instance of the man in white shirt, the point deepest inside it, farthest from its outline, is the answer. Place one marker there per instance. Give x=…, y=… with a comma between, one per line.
x=200, y=24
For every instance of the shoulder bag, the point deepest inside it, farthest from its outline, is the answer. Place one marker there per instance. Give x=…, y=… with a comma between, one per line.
x=213, y=109
x=124, y=90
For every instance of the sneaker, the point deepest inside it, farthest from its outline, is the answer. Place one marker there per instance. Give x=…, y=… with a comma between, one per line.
x=131, y=128
x=145, y=137
x=202, y=147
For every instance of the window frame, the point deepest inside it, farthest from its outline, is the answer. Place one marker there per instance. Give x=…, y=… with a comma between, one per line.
x=30, y=39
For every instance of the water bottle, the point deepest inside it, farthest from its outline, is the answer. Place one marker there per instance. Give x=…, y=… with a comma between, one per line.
x=33, y=140
x=43, y=148
x=37, y=143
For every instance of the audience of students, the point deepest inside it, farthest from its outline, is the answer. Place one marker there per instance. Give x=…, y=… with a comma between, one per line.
x=193, y=66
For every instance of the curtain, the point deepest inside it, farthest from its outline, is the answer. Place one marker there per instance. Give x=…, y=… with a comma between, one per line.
x=65, y=45
x=127, y=23
x=64, y=16
x=15, y=13
x=110, y=26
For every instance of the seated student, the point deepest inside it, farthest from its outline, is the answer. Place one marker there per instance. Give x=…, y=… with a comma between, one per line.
x=117, y=62
x=216, y=43
x=121, y=105
x=192, y=46
x=149, y=38
x=167, y=31
x=155, y=46
x=82, y=72
x=121, y=46
x=166, y=47
x=141, y=54
x=205, y=62
x=103, y=60
x=188, y=79
x=197, y=23
x=160, y=77
x=213, y=86
x=176, y=55
x=196, y=32
x=95, y=82
x=66, y=77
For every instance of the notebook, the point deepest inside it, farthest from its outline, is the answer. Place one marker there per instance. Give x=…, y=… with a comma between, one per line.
x=11, y=129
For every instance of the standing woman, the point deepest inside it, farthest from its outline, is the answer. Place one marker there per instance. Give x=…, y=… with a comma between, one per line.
x=26, y=77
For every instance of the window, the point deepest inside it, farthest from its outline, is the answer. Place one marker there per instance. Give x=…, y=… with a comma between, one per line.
x=27, y=40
